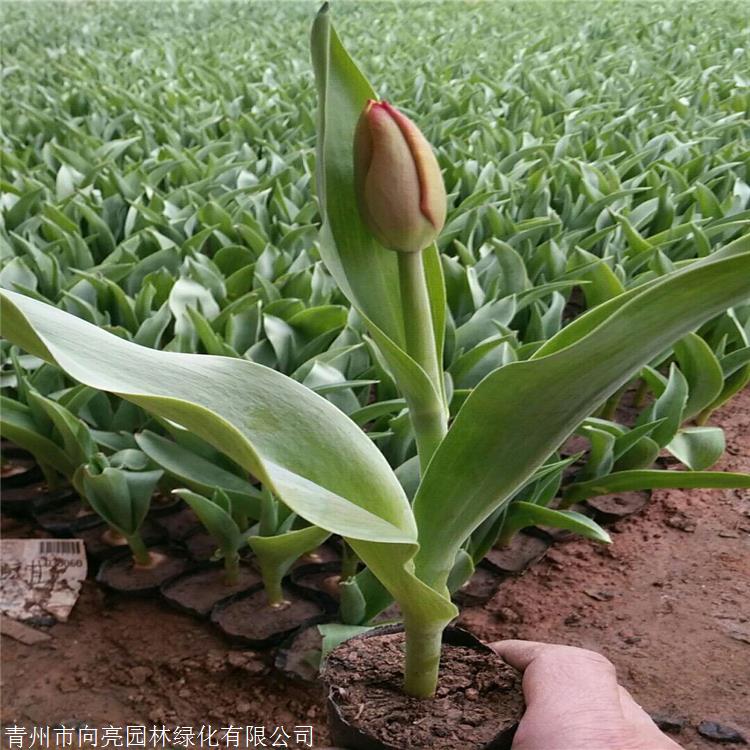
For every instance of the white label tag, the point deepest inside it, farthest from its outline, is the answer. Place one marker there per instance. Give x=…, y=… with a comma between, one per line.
x=40, y=578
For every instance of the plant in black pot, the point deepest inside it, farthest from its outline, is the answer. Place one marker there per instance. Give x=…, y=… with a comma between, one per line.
x=247, y=598
x=326, y=470
x=316, y=460
x=53, y=442
x=119, y=488
x=383, y=205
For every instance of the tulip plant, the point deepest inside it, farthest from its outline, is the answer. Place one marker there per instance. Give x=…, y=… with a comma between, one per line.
x=382, y=205
x=119, y=489
x=233, y=511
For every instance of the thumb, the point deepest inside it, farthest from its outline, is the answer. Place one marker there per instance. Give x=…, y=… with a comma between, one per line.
x=562, y=677
x=518, y=654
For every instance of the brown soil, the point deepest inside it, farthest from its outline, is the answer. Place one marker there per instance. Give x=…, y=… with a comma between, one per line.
x=123, y=660
x=324, y=579
x=198, y=592
x=201, y=546
x=667, y=602
x=478, y=696
x=251, y=620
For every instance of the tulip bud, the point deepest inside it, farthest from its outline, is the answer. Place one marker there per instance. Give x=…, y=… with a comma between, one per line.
x=399, y=187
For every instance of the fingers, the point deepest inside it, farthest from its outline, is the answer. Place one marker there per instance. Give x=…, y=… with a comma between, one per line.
x=518, y=654
x=563, y=678
x=521, y=654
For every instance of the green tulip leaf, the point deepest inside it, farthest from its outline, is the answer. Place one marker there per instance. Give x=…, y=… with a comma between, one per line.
x=521, y=515
x=698, y=447
x=306, y=451
x=17, y=424
x=197, y=473
x=216, y=520
x=625, y=481
x=479, y=467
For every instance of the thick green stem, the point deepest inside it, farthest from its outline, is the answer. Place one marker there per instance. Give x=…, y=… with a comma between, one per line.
x=349, y=562
x=640, y=394
x=415, y=300
x=141, y=555
x=505, y=537
x=423, y=646
x=269, y=514
x=50, y=476
x=428, y=414
x=702, y=418
x=430, y=427
x=609, y=410
x=272, y=576
x=231, y=569
x=241, y=520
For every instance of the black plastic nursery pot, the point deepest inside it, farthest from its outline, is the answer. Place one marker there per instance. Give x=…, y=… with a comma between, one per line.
x=29, y=499
x=477, y=706
x=121, y=574
x=328, y=552
x=178, y=524
x=322, y=578
x=247, y=619
x=66, y=518
x=480, y=588
x=611, y=508
x=163, y=504
x=525, y=549
x=200, y=546
x=199, y=590
x=102, y=544
x=298, y=656
x=19, y=470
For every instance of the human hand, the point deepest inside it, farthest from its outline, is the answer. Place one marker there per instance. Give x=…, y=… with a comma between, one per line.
x=574, y=702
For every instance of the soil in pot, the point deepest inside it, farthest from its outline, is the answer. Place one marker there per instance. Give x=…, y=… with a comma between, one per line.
x=164, y=503
x=200, y=545
x=611, y=508
x=179, y=525
x=322, y=579
x=197, y=592
x=326, y=553
x=18, y=470
x=248, y=619
x=477, y=706
x=103, y=544
x=523, y=550
x=122, y=574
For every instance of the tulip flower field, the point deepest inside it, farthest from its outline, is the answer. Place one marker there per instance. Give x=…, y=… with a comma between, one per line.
x=318, y=319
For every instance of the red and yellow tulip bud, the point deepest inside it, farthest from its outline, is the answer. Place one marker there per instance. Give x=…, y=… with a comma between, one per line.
x=400, y=190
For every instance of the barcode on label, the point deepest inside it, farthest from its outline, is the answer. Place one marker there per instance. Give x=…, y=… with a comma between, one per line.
x=59, y=547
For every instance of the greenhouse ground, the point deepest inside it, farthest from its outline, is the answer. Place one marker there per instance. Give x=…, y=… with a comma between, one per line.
x=667, y=603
